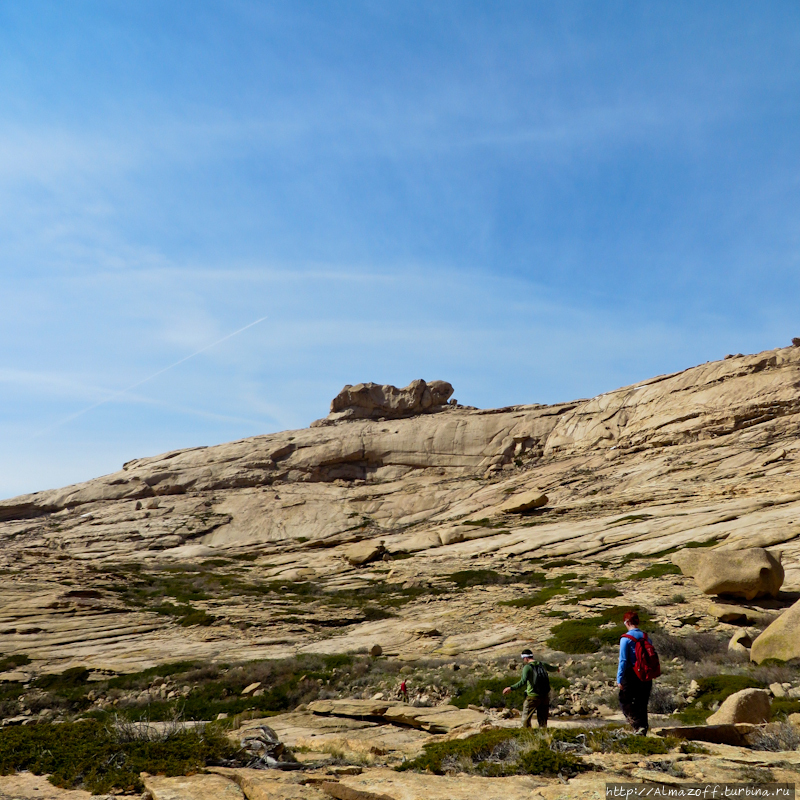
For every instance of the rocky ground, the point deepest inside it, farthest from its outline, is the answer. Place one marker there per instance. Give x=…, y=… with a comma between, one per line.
x=422, y=535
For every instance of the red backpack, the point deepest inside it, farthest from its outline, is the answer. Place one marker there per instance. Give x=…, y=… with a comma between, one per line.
x=647, y=666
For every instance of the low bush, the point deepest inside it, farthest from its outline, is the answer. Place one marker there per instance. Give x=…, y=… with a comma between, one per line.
x=495, y=754
x=488, y=692
x=662, y=699
x=776, y=737
x=91, y=756
x=599, y=592
x=212, y=688
x=12, y=662
x=550, y=588
x=783, y=706
x=695, y=647
x=537, y=598
x=615, y=740
x=713, y=690
x=655, y=571
x=588, y=635
x=466, y=578
x=563, y=562
x=717, y=688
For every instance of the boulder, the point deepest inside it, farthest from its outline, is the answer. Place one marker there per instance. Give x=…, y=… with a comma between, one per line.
x=736, y=735
x=794, y=719
x=730, y=614
x=740, y=642
x=781, y=639
x=265, y=750
x=349, y=708
x=749, y=573
x=751, y=706
x=364, y=552
x=192, y=787
x=341, y=792
x=441, y=719
x=376, y=401
x=525, y=501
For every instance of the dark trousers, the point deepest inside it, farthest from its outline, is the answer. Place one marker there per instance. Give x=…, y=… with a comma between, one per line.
x=541, y=705
x=633, y=699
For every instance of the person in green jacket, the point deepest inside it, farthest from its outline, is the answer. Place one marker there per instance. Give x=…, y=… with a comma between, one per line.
x=539, y=702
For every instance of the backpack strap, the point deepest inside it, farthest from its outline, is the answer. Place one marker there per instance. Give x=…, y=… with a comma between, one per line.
x=645, y=637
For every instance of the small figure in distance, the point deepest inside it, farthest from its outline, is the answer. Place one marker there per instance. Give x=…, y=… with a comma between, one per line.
x=403, y=691
x=638, y=665
x=537, y=689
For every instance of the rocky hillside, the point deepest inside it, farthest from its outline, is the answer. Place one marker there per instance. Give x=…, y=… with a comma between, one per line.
x=348, y=533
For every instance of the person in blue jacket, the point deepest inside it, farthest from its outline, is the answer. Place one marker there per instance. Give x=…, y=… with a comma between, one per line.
x=634, y=694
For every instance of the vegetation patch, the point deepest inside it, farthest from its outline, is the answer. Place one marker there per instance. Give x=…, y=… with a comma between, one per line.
x=495, y=754
x=562, y=562
x=488, y=692
x=695, y=647
x=13, y=662
x=93, y=756
x=614, y=740
x=561, y=584
x=199, y=692
x=655, y=571
x=537, y=599
x=713, y=691
x=630, y=518
x=599, y=593
x=588, y=635
x=515, y=751
x=783, y=706
x=466, y=578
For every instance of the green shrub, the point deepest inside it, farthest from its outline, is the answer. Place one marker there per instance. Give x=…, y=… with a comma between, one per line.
x=714, y=690
x=598, y=593
x=588, y=635
x=466, y=578
x=615, y=740
x=12, y=662
x=494, y=754
x=717, y=688
x=783, y=706
x=488, y=692
x=629, y=518
x=656, y=571
x=693, y=715
x=562, y=562
x=90, y=755
x=140, y=680
x=69, y=679
x=550, y=588
x=537, y=599
x=543, y=761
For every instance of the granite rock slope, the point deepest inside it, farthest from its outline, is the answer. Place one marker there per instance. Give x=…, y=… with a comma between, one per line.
x=708, y=455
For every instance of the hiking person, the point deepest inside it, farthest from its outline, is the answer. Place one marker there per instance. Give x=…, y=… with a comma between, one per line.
x=403, y=691
x=537, y=689
x=638, y=665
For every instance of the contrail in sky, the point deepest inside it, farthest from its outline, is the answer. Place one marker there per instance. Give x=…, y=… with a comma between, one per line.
x=145, y=380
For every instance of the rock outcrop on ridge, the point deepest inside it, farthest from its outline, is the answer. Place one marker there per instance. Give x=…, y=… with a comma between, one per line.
x=376, y=401
x=707, y=456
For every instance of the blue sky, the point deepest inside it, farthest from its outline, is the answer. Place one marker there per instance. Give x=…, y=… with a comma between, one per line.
x=535, y=201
